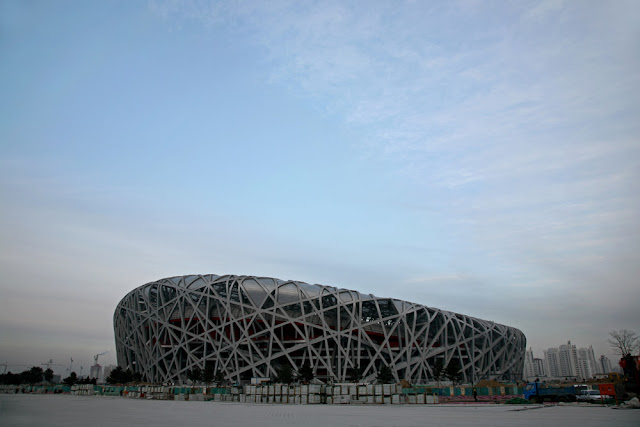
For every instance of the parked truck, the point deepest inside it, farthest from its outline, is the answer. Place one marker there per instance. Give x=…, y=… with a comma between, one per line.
x=539, y=392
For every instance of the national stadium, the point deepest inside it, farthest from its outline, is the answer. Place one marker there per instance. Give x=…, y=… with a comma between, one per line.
x=249, y=327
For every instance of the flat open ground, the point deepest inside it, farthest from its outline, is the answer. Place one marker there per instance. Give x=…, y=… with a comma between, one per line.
x=66, y=410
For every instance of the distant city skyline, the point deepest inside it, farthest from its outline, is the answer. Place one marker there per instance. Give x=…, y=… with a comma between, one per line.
x=568, y=361
x=482, y=158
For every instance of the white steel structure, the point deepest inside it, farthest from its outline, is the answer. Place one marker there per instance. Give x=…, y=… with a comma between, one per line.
x=249, y=326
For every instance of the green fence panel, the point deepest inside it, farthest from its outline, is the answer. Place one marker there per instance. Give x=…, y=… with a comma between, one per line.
x=418, y=390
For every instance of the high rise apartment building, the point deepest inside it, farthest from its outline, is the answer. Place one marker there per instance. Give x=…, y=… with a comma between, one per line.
x=539, y=367
x=604, y=365
x=529, y=372
x=587, y=365
x=95, y=372
x=552, y=362
x=533, y=367
x=568, y=360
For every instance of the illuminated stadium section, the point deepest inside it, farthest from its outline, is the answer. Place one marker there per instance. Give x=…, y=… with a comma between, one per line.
x=248, y=326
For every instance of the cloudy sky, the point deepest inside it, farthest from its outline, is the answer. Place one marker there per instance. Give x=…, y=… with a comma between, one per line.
x=476, y=156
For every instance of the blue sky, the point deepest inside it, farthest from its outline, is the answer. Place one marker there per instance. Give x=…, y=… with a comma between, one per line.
x=480, y=157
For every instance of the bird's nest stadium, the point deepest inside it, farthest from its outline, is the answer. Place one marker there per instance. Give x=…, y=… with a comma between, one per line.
x=248, y=326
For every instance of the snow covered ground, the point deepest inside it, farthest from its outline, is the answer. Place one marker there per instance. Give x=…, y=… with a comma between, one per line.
x=66, y=410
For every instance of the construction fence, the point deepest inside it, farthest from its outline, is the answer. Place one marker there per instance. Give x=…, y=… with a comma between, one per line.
x=310, y=394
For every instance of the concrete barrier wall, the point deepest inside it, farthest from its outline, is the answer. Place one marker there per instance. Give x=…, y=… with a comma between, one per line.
x=310, y=394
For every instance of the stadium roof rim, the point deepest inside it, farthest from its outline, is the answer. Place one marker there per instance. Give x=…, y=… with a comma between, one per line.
x=194, y=282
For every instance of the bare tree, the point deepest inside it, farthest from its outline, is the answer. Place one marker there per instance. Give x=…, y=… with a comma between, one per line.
x=624, y=342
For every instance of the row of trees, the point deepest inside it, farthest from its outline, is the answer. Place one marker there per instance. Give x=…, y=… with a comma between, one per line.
x=286, y=374
x=385, y=375
x=207, y=376
x=452, y=372
x=35, y=375
x=120, y=376
x=73, y=379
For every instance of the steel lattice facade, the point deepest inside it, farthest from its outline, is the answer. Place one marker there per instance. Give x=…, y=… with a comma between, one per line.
x=249, y=326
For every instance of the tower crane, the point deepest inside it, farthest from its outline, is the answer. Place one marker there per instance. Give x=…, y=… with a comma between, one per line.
x=50, y=363
x=9, y=364
x=95, y=358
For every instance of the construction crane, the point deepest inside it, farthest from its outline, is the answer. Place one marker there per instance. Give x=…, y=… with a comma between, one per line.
x=9, y=364
x=95, y=358
x=50, y=363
